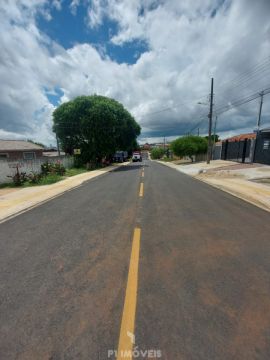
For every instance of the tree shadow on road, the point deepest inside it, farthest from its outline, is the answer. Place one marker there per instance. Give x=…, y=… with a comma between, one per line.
x=129, y=167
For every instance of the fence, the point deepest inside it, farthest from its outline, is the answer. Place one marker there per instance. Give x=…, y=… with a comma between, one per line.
x=262, y=147
x=239, y=151
x=8, y=168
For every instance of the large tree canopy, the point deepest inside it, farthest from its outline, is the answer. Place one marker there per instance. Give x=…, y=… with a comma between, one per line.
x=189, y=145
x=95, y=124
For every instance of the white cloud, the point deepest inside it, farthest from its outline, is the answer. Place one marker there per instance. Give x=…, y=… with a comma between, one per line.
x=186, y=47
x=73, y=6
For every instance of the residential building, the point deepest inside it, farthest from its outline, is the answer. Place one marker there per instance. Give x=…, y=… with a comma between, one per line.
x=19, y=150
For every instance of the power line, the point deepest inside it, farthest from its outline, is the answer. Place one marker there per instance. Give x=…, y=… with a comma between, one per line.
x=225, y=104
x=241, y=101
x=246, y=73
x=172, y=107
x=235, y=103
x=241, y=79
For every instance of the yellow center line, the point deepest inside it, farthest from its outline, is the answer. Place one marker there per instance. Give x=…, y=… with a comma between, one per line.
x=142, y=173
x=126, y=338
x=141, y=190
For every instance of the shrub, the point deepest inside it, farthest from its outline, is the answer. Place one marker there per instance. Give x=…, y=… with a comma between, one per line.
x=45, y=168
x=19, y=177
x=157, y=153
x=34, y=178
x=53, y=168
x=189, y=146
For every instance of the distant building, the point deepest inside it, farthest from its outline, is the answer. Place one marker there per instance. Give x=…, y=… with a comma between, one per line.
x=145, y=146
x=161, y=145
x=19, y=150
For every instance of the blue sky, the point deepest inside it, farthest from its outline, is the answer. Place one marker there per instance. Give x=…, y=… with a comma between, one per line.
x=149, y=55
x=69, y=29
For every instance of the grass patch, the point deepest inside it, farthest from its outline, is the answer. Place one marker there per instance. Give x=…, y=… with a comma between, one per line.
x=166, y=159
x=7, y=185
x=75, y=171
x=46, y=180
x=49, y=179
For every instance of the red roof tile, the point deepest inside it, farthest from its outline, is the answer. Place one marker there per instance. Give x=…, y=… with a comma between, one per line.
x=242, y=137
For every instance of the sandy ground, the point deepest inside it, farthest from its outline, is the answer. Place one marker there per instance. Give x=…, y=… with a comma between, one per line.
x=6, y=191
x=249, y=182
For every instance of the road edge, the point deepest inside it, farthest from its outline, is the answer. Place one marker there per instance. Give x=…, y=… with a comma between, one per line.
x=110, y=169
x=219, y=187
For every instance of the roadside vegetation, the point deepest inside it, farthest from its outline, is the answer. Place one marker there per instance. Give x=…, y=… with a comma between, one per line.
x=50, y=174
x=157, y=153
x=189, y=146
x=94, y=128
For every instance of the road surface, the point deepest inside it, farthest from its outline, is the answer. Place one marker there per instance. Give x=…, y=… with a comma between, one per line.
x=179, y=264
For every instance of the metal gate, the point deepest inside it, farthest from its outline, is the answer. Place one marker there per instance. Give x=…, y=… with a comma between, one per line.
x=236, y=150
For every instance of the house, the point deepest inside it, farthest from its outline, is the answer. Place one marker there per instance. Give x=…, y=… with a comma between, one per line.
x=239, y=148
x=262, y=147
x=242, y=137
x=146, y=146
x=251, y=147
x=19, y=150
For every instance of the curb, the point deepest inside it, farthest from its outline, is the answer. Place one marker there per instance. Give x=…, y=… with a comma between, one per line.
x=30, y=207
x=219, y=187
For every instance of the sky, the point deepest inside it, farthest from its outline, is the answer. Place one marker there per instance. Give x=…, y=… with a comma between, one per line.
x=156, y=57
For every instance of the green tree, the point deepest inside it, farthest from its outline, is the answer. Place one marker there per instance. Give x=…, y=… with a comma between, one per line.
x=189, y=145
x=157, y=153
x=215, y=138
x=95, y=124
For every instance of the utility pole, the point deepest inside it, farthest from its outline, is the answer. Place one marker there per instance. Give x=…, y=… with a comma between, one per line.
x=58, y=148
x=198, y=131
x=215, y=128
x=214, y=143
x=258, y=125
x=260, y=111
x=209, y=152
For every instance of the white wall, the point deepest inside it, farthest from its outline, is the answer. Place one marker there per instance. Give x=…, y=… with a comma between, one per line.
x=8, y=168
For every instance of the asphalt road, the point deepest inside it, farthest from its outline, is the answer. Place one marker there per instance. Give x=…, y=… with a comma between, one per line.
x=194, y=278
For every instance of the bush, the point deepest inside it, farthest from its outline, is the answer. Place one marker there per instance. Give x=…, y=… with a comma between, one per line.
x=53, y=168
x=157, y=153
x=34, y=178
x=189, y=146
x=19, y=177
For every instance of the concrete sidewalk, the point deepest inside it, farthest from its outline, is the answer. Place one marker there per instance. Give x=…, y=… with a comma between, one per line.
x=250, y=182
x=15, y=202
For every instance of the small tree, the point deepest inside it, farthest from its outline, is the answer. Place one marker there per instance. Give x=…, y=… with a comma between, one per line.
x=189, y=145
x=157, y=153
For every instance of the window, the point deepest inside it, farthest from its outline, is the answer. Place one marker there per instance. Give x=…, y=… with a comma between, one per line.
x=266, y=144
x=29, y=155
x=3, y=156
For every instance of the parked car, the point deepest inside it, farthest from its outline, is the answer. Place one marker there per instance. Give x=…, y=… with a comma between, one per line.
x=120, y=156
x=136, y=156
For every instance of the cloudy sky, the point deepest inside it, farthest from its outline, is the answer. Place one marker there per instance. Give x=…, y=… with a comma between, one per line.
x=155, y=56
